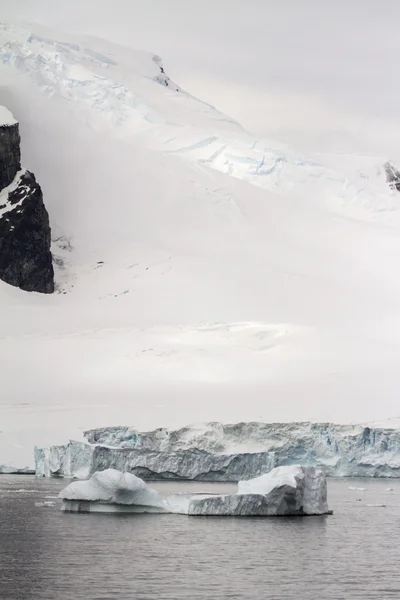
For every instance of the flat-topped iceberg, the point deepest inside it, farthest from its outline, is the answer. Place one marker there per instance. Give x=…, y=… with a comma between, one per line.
x=284, y=491
x=111, y=491
x=218, y=452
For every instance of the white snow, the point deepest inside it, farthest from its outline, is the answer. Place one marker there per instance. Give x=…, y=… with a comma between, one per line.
x=6, y=117
x=111, y=487
x=275, y=478
x=5, y=205
x=204, y=273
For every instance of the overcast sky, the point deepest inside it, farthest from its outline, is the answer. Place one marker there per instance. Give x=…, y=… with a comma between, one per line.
x=272, y=64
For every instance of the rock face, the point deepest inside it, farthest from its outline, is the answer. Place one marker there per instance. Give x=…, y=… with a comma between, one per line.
x=285, y=491
x=392, y=176
x=217, y=452
x=25, y=236
x=10, y=155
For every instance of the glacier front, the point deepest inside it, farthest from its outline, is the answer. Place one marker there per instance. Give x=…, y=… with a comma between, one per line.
x=217, y=452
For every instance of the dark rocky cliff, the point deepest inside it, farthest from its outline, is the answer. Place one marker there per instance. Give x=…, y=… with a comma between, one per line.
x=392, y=176
x=25, y=257
x=10, y=155
x=25, y=236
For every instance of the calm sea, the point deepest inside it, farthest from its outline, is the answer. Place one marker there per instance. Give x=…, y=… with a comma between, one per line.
x=49, y=555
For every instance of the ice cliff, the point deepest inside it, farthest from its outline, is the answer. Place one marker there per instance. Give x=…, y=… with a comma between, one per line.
x=25, y=257
x=217, y=452
x=284, y=491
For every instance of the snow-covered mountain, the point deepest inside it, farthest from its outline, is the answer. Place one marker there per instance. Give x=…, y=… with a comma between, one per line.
x=201, y=273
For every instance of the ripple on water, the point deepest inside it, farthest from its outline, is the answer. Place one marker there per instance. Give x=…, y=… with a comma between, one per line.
x=351, y=555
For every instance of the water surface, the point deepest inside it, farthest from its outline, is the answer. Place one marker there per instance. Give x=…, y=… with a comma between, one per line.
x=49, y=555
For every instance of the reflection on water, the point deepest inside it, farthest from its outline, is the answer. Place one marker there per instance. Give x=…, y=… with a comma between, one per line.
x=49, y=555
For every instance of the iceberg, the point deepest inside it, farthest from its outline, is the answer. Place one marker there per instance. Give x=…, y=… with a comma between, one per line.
x=217, y=452
x=285, y=491
x=291, y=490
x=111, y=491
x=10, y=470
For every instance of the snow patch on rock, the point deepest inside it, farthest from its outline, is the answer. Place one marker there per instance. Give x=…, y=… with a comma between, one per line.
x=6, y=203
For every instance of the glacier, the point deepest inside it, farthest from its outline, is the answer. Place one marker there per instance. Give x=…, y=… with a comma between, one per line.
x=218, y=452
x=291, y=490
x=67, y=68
x=260, y=276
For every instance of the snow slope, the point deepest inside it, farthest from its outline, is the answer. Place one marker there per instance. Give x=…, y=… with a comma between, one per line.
x=6, y=117
x=202, y=274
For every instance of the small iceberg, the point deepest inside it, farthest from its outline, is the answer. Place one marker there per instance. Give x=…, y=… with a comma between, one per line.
x=111, y=491
x=284, y=491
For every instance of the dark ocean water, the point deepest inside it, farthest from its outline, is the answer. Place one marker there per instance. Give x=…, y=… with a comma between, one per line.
x=49, y=555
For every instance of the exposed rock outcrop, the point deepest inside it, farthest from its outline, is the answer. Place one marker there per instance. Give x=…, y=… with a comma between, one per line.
x=10, y=154
x=392, y=176
x=25, y=236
